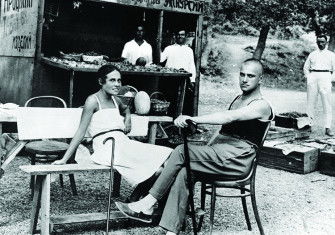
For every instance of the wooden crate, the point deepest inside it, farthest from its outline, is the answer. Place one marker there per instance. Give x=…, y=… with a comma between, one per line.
x=295, y=123
x=327, y=162
x=286, y=122
x=301, y=160
x=276, y=133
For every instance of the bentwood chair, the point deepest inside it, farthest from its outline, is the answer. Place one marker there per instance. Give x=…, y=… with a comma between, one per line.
x=246, y=186
x=47, y=151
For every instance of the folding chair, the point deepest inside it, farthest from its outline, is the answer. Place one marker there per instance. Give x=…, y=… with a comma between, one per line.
x=41, y=126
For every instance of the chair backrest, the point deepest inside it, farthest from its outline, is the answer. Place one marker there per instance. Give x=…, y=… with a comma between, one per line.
x=252, y=171
x=254, y=163
x=45, y=101
x=267, y=128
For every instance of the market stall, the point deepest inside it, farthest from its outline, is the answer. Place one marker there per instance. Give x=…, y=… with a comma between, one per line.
x=37, y=35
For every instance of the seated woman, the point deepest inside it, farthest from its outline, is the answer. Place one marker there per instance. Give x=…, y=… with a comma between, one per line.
x=135, y=161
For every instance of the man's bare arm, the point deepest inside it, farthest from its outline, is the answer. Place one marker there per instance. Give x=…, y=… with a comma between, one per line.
x=256, y=110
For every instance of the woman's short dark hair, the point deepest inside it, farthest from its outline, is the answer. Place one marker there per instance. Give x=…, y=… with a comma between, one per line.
x=104, y=70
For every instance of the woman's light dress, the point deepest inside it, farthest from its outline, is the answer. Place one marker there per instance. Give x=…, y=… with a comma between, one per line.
x=134, y=160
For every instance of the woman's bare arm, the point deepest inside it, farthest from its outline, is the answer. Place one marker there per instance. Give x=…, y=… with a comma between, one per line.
x=88, y=110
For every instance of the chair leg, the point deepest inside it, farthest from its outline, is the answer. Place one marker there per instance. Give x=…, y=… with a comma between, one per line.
x=61, y=181
x=116, y=184
x=254, y=207
x=245, y=210
x=202, y=204
x=32, y=178
x=211, y=217
x=73, y=185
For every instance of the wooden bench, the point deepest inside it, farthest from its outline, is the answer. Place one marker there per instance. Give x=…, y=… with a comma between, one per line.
x=41, y=200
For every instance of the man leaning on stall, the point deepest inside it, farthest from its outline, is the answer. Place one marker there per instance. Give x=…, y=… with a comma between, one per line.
x=231, y=154
x=319, y=71
x=138, y=51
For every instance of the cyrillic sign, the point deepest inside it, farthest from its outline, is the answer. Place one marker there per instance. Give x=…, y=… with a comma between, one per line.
x=18, y=23
x=186, y=6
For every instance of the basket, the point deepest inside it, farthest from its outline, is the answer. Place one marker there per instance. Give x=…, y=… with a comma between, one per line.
x=173, y=135
x=128, y=100
x=158, y=106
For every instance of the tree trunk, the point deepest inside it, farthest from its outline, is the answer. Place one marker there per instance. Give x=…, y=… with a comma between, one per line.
x=331, y=45
x=317, y=24
x=261, y=42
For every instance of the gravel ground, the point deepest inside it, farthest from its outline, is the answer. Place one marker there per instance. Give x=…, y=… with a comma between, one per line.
x=288, y=203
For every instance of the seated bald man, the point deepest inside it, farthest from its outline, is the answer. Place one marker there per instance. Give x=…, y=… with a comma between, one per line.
x=231, y=154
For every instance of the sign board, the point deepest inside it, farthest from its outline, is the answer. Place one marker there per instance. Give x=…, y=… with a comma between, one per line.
x=185, y=6
x=18, y=24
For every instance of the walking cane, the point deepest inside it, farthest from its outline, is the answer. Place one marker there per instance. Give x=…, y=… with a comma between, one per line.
x=190, y=129
x=110, y=182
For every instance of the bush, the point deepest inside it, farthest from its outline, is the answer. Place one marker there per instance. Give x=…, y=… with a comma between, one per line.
x=244, y=28
x=288, y=32
x=215, y=63
x=236, y=27
x=283, y=65
x=249, y=31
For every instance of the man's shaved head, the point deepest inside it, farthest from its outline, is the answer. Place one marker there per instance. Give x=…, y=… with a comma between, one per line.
x=258, y=63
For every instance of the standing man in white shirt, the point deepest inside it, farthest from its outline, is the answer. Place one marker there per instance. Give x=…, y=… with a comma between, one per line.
x=138, y=51
x=319, y=69
x=179, y=55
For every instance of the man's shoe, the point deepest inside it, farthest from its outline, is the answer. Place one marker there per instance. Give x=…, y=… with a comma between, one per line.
x=124, y=208
x=329, y=132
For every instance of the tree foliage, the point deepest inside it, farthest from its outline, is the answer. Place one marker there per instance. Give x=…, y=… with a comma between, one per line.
x=274, y=13
x=258, y=12
x=318, y=15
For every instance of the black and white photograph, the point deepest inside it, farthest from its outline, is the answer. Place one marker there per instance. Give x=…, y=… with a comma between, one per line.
x=167, y=117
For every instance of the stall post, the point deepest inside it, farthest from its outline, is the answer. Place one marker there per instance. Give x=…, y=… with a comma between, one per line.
x=40, y=21
x=157, y=56
x=198, y=51
x=38, y=56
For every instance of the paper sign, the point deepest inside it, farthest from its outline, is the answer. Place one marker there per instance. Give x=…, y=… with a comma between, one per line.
x=18, y=25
